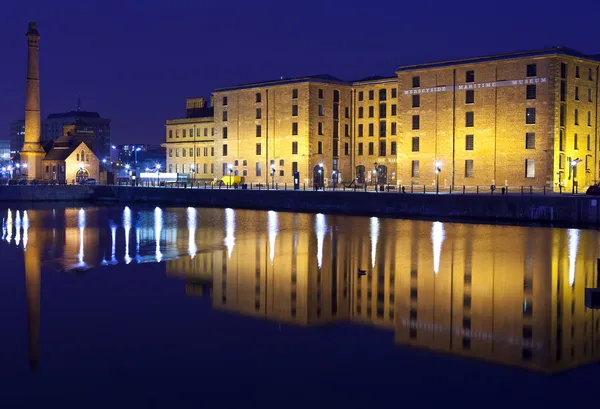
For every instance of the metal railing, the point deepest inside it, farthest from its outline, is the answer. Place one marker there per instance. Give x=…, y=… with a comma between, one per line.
x=387, y=188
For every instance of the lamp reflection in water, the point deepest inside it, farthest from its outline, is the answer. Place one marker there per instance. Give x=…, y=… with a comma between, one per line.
x=127, y=227
x=374, y=234
x=18, y=228
x=321, y=229
x=9, y=226
x=138, y=236
x=191, y=223
x=81, y=225
x=25, y=229
x=158, y=222
x=573, y=245
x=437, y=240
x=229, y=230
x=273, y=228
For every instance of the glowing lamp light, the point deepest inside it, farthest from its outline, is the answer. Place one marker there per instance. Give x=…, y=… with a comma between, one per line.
x=158, y=166
x=147, y=169
x=114, y=147
x=321, y=164
x=127, y=166
x=24, y=166
x=103, y=160
x=18, y=165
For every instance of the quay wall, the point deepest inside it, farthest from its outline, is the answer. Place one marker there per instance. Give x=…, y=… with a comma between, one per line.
x=538, y=209
x=43, y=193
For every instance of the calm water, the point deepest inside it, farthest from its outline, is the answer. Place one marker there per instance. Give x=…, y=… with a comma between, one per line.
x=224, y=307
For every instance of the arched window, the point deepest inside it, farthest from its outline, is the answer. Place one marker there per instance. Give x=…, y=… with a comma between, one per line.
x=245, y=163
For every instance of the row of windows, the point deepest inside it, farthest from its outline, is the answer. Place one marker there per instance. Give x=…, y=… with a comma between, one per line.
x=295, y=149
x=573, y=169
x=321, y=94
x=469, y=172
x=258, y=168
x=382, y=111
x=199, y=132
x=530, y=71
x=382, y=148
x=382, y=129
x=562, y=141
x=470, y=142
x=382, y=94
x=295, y=130
x=564, y=72
x=191, y=168
x=530, y=119
x=530, y=94
x=191, y=152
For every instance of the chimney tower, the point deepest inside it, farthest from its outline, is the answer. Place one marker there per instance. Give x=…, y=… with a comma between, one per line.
x=32, y=152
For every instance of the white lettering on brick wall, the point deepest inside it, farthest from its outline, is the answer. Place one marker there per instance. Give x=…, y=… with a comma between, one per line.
x=464, y=87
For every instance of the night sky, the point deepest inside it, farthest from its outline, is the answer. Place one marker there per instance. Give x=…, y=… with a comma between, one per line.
x=136, y=61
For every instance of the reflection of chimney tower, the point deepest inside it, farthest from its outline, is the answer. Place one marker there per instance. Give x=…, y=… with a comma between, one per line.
x=32, y=152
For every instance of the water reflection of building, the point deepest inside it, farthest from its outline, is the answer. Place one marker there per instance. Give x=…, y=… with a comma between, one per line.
x=506, y=294
x=487, y=292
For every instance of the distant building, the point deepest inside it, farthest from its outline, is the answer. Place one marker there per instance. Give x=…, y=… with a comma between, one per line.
x=190, y=142
x=71, y=158
x=141, y=156
x=52, y=129
x=4, y=151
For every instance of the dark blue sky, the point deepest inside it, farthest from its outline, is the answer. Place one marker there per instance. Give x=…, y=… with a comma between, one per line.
x=135, y=61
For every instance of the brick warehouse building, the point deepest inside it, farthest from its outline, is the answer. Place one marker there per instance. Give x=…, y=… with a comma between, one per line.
x=521, y=119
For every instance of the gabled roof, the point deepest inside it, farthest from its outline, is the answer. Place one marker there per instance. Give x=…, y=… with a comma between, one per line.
x=496, y=57
x=60, y=153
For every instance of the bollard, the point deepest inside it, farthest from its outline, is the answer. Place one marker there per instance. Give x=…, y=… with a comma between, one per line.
x=277, y=186
x=477, y=189
x=464, y=189
x=530, y=190
x=450, y=190
x=544, y=190
x=304, y=186
x=521, y=189
x=424, y=189
x=365, y=187
x=403, y=189
x=412, y=188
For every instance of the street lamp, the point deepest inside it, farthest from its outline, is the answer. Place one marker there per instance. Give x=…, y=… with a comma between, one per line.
x=230, y=167
x=574, y=164
x=321, y=181
x=375, y=175
x=273, y=175
x=438, y=170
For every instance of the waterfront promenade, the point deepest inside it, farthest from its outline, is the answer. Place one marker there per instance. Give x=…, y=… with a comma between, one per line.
x=515, y=206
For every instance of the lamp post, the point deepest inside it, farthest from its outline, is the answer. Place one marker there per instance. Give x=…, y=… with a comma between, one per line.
x=272, y=175
x=438, y=170
x=574, y=164
x=334, y=178
x=375, y=175
x=321, y=181
x=158, y=174
x=135, y=154
x=230, y=167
